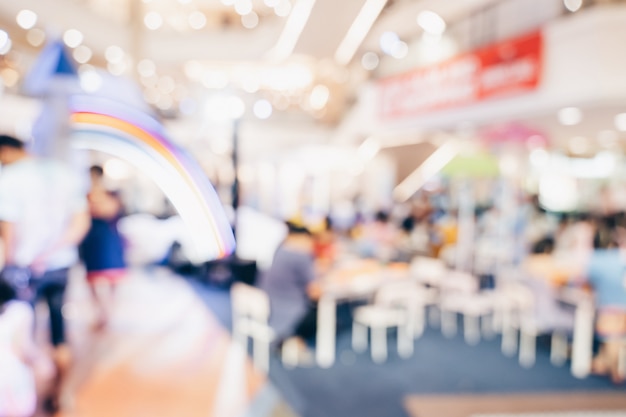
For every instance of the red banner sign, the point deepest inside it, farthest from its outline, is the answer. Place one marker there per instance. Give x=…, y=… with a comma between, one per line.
x=499, y=70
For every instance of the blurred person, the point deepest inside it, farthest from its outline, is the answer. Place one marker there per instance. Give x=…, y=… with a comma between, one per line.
x=18, y=396
x=325, y=245
x=603, y=269
x=102, y=249
x=605, y=272
x=289, y=284
x=43, y=217
x=378, y=238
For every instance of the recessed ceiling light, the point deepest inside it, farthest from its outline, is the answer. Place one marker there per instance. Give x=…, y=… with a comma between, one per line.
x=262, y=109
x=283, y=8
x=400, y=50
x=319, y=97
x=26, y=19
x=388, y=41
x=146, y=68
x=4, y=40
x=72, y=38
x=36, y=37
x=431, y=22
x=570, y=116
x=573, y=5
x=197, y=20
x=243, y=7
x=114, y=54
x=153, y=20
x=370, y=61
x=250, y=20
x=82, y=54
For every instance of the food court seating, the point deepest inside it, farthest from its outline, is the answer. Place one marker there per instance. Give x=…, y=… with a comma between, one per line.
x=460, y=295
x=395, y=305
x=533, y=310
x=251, y=311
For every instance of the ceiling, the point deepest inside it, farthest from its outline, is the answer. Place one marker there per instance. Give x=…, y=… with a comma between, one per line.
x=285, y=54
x=278, y=50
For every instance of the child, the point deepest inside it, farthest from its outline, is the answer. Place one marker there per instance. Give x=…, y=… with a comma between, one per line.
x=17, y=382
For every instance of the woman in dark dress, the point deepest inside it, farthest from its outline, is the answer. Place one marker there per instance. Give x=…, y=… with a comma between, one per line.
x=102, y=250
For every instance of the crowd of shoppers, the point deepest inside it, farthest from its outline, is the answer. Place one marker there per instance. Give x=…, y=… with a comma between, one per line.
x=45, y=214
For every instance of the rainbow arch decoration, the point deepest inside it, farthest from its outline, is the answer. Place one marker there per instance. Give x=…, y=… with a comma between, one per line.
x=127, y=133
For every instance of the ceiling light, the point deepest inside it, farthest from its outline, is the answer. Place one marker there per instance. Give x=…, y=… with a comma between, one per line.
x=26, y=19
x=5, y=42
x=90, y=81
x=146, y=68
x=9, y=77
x=197, y=20
x=431, y=22
x=388, y=41
x=319, y=97
x=117, y=170
x=36, y=37
x=250, y=21
x=293, y=28
x=117, y=68
x=400, y=50
x=283, y=8
x=164, y=102
x=82, y=54
x=370, y=61
x=262, y=109
x=573, y=5
x=72, y=38
x=114, y=54
x=539, y=158
x=570, y=116
x=243, y=7
x=224, y=108
x=153, y=20
x=358, y=30
x=620, y=122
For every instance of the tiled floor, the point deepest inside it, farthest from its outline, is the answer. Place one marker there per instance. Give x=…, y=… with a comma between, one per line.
x=164, y=354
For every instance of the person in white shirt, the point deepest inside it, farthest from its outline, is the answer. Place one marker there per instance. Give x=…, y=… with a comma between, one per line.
x=43, y=217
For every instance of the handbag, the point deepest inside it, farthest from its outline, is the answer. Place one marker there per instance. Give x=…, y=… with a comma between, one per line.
x=18, y=278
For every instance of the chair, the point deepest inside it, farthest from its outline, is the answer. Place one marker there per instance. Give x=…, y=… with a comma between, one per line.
x=459, y=294
x=428, y=272
x=533, y=310
x=395, y=305
x=251, y=311
x=621, y=361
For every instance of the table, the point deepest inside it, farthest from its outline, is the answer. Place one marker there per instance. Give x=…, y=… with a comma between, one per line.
x=357, y=279
x=582, y=344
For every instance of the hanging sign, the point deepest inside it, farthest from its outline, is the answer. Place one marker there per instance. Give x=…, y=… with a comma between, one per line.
x=503, y=69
